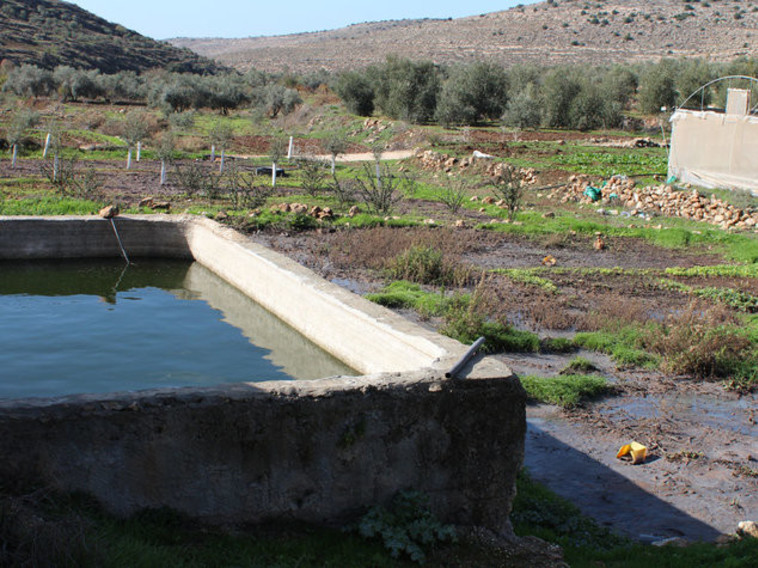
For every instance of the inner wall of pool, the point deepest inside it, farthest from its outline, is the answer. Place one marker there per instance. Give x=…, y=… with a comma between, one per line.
x=104, y=326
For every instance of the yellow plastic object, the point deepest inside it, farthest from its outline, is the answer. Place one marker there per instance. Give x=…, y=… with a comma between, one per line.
x=635, y=451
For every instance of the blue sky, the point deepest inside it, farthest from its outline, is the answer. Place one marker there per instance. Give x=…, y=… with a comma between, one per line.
x=162, y=19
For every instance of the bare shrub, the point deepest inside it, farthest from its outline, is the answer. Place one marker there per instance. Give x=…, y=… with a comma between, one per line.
x=373, y=248
x=70, y=181
x=241, y=188
x=508, y=184
x=195, y=178
x=345, y=191
x=453, y=193
x=702, y=342
x=313, y=174
x=614, y=311
x=382, y=189
x=427, y=265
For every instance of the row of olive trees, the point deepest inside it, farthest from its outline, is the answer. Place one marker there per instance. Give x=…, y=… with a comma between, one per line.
x=172, y=92
x=528, y=96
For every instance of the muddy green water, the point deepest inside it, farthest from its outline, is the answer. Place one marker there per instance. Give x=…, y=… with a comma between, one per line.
x=101, y=326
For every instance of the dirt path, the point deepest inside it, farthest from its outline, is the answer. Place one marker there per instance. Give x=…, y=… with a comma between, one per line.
x=345, y=158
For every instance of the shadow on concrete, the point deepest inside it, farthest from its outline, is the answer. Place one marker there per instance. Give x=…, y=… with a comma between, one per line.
x=605, y=495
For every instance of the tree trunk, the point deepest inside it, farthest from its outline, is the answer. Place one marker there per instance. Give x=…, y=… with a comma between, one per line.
x=213, y=152
x=334, y=162
x=129, y=158
x=139, y=150
x=163, y=172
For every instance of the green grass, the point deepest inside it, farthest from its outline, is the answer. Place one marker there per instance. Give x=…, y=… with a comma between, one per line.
x=735, y=299
x=725, y=270
x=566, y=390
x=404, y=294
x=528, y=277
x=623, y=345
x=679, y=234
x=608, y=162
x=49, y=206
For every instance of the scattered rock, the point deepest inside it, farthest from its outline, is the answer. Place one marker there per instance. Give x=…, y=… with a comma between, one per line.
x=108, y=212
x=747, y=529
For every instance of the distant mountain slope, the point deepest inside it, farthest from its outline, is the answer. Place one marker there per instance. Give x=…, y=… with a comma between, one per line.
x=558, y=31
x=48, y=33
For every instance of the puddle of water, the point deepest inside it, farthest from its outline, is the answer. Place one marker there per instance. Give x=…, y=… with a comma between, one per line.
x=707, y=410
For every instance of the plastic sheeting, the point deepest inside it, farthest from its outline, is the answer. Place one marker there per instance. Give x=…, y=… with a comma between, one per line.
x=714, y=150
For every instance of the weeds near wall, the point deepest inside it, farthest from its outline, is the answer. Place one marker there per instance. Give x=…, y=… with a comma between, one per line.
x=406, y=527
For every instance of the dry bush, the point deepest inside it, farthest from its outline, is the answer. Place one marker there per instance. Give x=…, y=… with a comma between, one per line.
x=614, y=311
x=549, y=312
x=191, y=143
x=427, y=265
x=704, y=342
x=373, y=248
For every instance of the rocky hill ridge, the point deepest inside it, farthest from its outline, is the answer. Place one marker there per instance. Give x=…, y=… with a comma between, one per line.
x=553, y=32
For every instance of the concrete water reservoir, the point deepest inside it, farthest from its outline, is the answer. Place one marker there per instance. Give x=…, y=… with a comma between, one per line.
x=317, y=451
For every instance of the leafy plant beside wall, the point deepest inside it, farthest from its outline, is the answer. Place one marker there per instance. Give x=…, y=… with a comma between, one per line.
x=407, y=527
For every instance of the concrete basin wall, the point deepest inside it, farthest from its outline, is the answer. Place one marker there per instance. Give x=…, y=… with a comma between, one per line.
x=317, y=451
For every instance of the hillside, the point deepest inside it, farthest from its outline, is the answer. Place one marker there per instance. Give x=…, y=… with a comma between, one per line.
x=48, y=33
x=557, y=31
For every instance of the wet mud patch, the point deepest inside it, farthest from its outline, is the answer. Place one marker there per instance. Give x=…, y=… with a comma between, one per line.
x=699, y=481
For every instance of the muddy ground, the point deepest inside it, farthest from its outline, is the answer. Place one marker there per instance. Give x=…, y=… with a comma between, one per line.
x=700, y=479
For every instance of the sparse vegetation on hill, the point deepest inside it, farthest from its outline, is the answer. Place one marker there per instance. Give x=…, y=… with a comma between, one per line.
x=546, y=33
x=50, y=33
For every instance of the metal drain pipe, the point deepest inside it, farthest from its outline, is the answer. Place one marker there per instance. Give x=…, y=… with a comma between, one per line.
x=118, y=238
x=465, y=359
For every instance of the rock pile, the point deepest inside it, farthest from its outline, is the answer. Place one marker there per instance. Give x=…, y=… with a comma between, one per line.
x=302, y=209
x=436, y=161
x=660, y=200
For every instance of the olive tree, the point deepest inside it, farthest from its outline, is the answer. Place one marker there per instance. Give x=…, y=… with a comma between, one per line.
x=473, y=93
x=407, y=89
x=22, y=120
x=221, y=135
x=133, y=130
x=335, y=144
x=357, y=92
